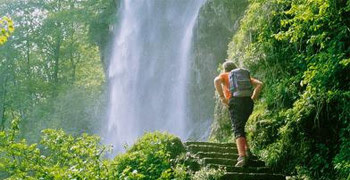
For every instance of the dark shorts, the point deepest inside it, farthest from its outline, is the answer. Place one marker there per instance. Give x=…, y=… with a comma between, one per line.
x=240, y=109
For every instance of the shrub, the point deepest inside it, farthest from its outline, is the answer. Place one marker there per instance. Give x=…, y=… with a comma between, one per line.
x=151, y=157
x=62, y=156
x=57, y=156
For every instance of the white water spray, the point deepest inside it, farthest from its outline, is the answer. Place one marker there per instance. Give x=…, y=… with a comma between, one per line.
x=149, y=67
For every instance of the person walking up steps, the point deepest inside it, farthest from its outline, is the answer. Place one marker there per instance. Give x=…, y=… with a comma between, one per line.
x=235, y=88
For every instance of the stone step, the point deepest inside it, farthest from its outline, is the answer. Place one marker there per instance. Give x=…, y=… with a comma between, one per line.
x=210, y=144
x=219, y=161
x=208, y=148
x=224, y=155
x=217, y=155
x=242, y=169
x=231, y=162
x=252, y=176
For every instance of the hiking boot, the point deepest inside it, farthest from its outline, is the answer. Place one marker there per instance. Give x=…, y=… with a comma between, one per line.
x=241, y=162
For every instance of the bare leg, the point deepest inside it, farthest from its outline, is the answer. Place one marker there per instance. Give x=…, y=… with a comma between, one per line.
x=241, y=146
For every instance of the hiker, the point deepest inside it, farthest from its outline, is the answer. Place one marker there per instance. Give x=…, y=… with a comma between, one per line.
x=235, y=88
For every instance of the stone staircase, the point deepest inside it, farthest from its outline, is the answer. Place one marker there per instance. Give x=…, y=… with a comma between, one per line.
x=218, y=155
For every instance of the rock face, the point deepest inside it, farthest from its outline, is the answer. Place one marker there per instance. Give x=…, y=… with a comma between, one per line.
x=217, y=22
x=224, y=155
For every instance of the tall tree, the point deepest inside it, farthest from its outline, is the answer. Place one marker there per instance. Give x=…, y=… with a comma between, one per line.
x=50, y=57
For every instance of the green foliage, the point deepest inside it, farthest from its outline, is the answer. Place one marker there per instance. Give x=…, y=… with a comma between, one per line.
x=51, y=74
x=6, y=28
x=342, y=159
x=151, y=157
x=160, y=142
x=300, y=50
x=57, y=156
x=208, y=174
x=62, y=156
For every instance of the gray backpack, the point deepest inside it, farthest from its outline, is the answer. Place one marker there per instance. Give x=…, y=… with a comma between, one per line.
x=240, y=85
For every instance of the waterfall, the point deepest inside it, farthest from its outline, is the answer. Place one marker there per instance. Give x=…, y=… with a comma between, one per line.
x=149, y=69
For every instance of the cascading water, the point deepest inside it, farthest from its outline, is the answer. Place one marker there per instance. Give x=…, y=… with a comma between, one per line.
x=148, y=70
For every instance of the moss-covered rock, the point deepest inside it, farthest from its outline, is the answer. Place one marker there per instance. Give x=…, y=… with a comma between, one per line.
x=221, y=128
x=217, y=21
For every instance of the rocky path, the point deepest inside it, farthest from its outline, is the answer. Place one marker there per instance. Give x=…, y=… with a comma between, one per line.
x=217, y=155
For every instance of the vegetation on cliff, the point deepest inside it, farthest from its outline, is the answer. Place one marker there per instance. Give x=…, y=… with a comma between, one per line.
x=300, y=50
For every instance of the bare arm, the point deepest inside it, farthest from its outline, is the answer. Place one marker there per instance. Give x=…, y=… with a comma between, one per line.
x=218, y=87
x=257, y=88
